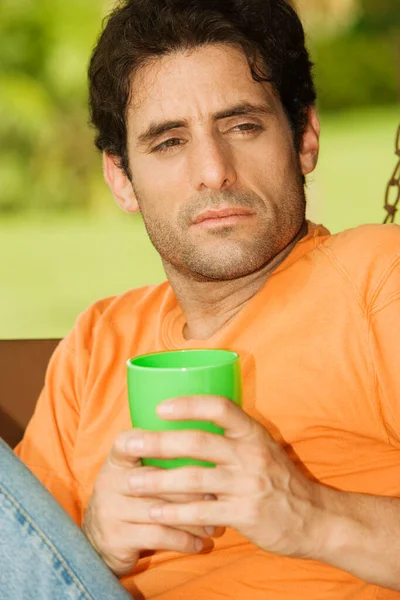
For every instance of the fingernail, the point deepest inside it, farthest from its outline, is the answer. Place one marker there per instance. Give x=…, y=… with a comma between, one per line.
x=136, y=482
x=198, y=545
x=155, y=512
x=167, y=408
x=135, y=445
x=209, y=530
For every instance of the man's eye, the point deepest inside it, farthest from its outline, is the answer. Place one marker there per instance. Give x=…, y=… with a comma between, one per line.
x=164, y=146
x=248, y=127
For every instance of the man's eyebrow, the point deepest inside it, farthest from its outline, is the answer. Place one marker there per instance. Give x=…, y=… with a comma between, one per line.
x=154, y=130
x=244, y=109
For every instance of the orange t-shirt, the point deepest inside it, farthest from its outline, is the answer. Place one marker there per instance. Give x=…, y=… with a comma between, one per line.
x=319, y=346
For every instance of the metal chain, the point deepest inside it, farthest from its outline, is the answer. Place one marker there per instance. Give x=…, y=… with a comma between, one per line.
x=394, y=184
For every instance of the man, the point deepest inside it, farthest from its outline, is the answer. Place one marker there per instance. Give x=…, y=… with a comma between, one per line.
x=205, y=116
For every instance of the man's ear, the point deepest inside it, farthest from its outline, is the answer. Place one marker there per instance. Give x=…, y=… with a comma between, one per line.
x=308, y=155
x=119, y=184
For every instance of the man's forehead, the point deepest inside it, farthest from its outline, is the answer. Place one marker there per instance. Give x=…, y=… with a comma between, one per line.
x=208, y=80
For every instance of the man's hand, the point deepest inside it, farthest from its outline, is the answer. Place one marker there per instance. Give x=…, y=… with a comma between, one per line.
x=255, y=488
x=259, y=491
x=117, y=521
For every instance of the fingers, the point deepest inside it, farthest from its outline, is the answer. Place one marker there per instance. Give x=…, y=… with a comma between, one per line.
x=132, y=445
x=117, y=478
x=162, y=537
x=117, y=521
x=204, y=514
x=127, y=504
x=184, y=444
x=135, y=511
x=221, y=411
x=122, y=481
x=120, y=547
x=195, y=482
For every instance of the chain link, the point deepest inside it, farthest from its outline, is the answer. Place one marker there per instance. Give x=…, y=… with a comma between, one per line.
x=393, y=188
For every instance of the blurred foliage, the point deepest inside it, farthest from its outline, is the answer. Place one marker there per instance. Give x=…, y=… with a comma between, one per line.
x=46, y=154
x=47, y=158
x=379, y=15
x=354, y=70
x=360, y=66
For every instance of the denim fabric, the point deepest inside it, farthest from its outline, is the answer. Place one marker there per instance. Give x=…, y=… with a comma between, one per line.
x=43, y=554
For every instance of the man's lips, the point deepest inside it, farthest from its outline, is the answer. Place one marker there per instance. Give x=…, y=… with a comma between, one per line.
x=221, y=214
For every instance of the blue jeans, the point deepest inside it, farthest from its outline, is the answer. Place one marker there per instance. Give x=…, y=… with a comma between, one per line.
x=43, y=554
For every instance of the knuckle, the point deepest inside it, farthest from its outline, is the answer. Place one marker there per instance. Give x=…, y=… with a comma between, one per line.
x=157, y=443
x=103, y=515
x=194, y=480
x=260, y=484
x=155, y=483
x=120, y=441
x=222, y=407
x=157, y=538
x=262, y=458
x=252, y=516
x=170, y=539
x=197, y=441
x=202, y=515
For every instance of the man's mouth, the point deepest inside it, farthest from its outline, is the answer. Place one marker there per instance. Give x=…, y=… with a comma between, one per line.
x=222, y=216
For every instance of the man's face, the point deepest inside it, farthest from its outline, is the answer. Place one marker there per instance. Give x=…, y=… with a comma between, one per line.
x=213, y=164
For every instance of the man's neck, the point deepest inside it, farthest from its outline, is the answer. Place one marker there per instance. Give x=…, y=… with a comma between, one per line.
x=208, y=305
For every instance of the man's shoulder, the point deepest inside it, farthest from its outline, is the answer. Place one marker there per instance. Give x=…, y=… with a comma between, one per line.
x=120, y=311
x=149, y=295
x=378, y=237
x=366, y=255
x=365, y=244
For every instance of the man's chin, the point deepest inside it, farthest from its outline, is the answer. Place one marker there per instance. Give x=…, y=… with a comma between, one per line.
x=220, y=274
x=222, y=266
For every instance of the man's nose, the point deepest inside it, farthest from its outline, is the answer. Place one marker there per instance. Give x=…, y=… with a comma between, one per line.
x=212, y=166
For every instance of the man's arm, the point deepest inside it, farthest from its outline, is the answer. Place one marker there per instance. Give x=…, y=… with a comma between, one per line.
x=360, y=534
x=48, y=444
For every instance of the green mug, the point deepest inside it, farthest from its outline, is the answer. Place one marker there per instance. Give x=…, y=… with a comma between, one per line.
x=153, y=378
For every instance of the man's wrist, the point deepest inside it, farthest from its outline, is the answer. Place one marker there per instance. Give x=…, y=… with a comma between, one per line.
x=332, y=525
x=342, y=537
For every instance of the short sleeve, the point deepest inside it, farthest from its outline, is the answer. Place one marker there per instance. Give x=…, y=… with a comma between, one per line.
x=49, y=441
x=384, y=319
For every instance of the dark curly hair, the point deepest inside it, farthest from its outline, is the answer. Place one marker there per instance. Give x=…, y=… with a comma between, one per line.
x=268, y=31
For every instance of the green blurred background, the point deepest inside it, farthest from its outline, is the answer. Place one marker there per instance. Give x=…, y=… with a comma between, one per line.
x=64, y=243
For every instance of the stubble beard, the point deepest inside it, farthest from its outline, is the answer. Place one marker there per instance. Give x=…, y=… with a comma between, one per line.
x=221, y=254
